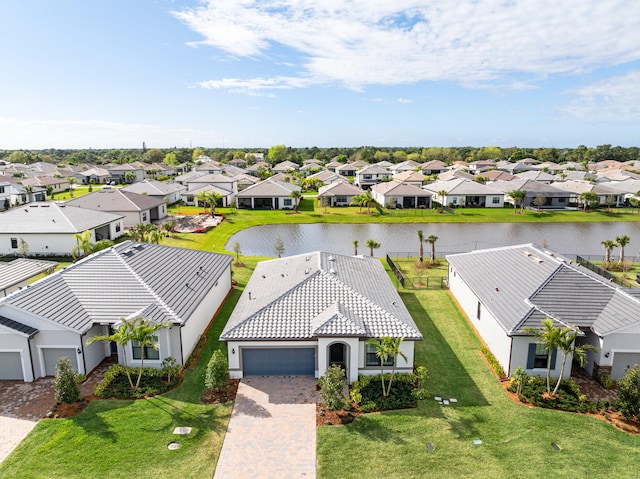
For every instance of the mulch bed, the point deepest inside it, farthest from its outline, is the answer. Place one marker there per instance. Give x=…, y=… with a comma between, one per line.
x=612, y=417
x=325, y=417
x=228, y=393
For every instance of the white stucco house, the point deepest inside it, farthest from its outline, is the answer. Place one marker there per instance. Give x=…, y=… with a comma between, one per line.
x=300, y=314
x=161, y=190
x=48, y=228
x=504, y=291
x=270, y=194
x=15, y=274
x=57, y=315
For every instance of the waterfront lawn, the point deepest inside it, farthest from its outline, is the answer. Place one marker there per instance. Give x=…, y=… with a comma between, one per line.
x=114, y=439
x=516, y=440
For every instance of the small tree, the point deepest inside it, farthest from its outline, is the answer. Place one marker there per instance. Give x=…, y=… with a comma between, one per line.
x=217, y=374
x=213, y=197
x=629, y=394
x=550, y=337
x=518, y=197
x=567, y=344
x=386, y=348
x=65, y=383
x=539, y=201
x=621, y=242
x=332, y=387
x=431, y=239
x=355, y=247
x=442, y=194
x=421, y=244
x=237, y=251
x=297, y=196
x=83, y=246
x=519, y=377
x=23, y=248
x=372, y=244
x=589, y=199
x=279, y=247
x=608, y=246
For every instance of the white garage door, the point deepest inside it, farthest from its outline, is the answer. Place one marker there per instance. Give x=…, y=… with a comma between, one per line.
x=10, y=366
x=623, y=361
x=51, y=356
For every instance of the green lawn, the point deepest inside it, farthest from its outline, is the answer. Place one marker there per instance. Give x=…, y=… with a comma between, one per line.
x=516, y=440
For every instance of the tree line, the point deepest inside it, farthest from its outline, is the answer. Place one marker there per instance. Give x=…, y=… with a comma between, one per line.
x=278, y=153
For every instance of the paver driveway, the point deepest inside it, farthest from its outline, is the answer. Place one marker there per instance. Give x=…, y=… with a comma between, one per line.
x=272, y=431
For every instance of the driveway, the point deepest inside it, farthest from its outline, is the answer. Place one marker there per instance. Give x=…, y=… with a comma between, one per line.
x=21, y=406
x=272, y=430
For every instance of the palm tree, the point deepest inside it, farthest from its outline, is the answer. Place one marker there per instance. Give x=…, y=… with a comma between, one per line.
x=357, y=200
x=83, y=246
x=368, y=200
x=144, y=332
x=156, y=235
x=296, y=195
x=212, y=198
x=622, y=241
x=122, y=335
x=421, y=241
x=608, y=246
x=431, y=239
x=568, y=346
x=372, y=244
x=355, y=247
x=442, y=194
x=550, y=337
x=588, y=199
x=28, y=189
x=518, y=196
x=388, y=347
x=202, y=198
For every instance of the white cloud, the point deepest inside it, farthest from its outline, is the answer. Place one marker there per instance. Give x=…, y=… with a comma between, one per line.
x=404, y=100
x=41, y=133
x=470, y=42
x=612, y=99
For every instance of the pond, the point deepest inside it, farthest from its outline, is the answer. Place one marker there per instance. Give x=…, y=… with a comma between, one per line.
x=564, y=238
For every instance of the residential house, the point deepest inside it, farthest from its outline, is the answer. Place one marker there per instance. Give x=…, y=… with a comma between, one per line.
x=338, y=193
x=15, y=194
x=327, y=177
x=407, y=165
x=190, y=197
x=411, y=177
x=57, y=185
x=126, y=173
x=226, y=186
x=497, y=175
x=554, y=196
x=607, y=195
x=455, y=173
x=504, y=291
x=370, y=175
x=258, y=166
x=48, y=228
x=96, y=176
x=245, y=180
x=433, y=167
x=462, y=192
x=348, y=169
x=285, y=167
x=134, y=207
x=300, y=314
x=395, y=194
x=480, y=166
x=511, y=167
x=161, y=190
x=270, y=194
x=15, y=274
x=209, y=167
x=332, y=165
x=56, y=316
x=539, y=176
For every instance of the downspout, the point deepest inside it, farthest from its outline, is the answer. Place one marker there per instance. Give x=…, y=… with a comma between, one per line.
x=181, y=353
x=33, y=371
x=84, y=361
x=510, y=353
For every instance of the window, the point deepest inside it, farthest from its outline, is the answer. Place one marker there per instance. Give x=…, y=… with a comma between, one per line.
x=373, y=359
x=562, y=200
x=367, y=177
x=144, y=216
x=14, y=243
x=287, y=202
x=495, y=200
x=149, y=351
x=537, y=358
x=118, y=227
x=341, y=199
x=479, y=311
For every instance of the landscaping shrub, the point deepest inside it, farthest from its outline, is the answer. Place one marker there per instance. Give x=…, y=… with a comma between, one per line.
x=217, y=374
x=421, y=375
x=367, y=389
x=493, y=362
x=66, y=382
x=518, y=379
x=569, y=397
x=115, y=383
x=606, y=381
x=629, y=394
x=332, y=386
x=171, y=368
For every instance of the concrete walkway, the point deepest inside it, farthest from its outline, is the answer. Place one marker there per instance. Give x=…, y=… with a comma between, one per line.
x=272, y=430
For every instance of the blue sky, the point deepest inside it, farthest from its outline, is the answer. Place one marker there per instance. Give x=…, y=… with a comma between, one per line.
x=256, y=73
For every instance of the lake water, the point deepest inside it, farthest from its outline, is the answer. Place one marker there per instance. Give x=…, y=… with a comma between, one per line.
x=565, y=238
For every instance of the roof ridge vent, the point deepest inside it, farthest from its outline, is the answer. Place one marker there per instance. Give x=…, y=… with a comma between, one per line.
x=331, y=258
x=332, y=271
x=526, y=253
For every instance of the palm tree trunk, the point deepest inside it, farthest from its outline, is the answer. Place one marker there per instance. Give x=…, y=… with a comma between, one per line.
x=564, y=360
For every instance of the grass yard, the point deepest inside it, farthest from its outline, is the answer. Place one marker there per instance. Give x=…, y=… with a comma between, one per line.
x=516, y=440
x=115, y=439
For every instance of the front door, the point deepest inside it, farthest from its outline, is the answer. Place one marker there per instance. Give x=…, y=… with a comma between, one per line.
x=336, y=355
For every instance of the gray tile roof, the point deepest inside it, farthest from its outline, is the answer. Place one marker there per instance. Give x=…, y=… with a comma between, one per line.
x=21, y=269
x=16, y=326
x=154, y=187
x=521, y=285
x=121, y=281
x=319, y=294
x=268, y=187
x=339, y=188
x=112, y=199
x=399, y=188
x=51, y=217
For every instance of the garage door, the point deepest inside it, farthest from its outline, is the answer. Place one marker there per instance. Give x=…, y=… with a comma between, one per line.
x=279, y=362
x=51, y=356
x=11, y=366
x=622, y=361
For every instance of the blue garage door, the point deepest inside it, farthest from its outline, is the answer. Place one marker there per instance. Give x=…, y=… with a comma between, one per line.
x=279, y=362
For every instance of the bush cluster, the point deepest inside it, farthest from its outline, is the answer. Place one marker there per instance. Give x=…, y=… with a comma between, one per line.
x=217, y=374
x=115, y=383
x=367, y=392
x=493, y=362
x=66, y=382
x=569, y=397
x=332, y=386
